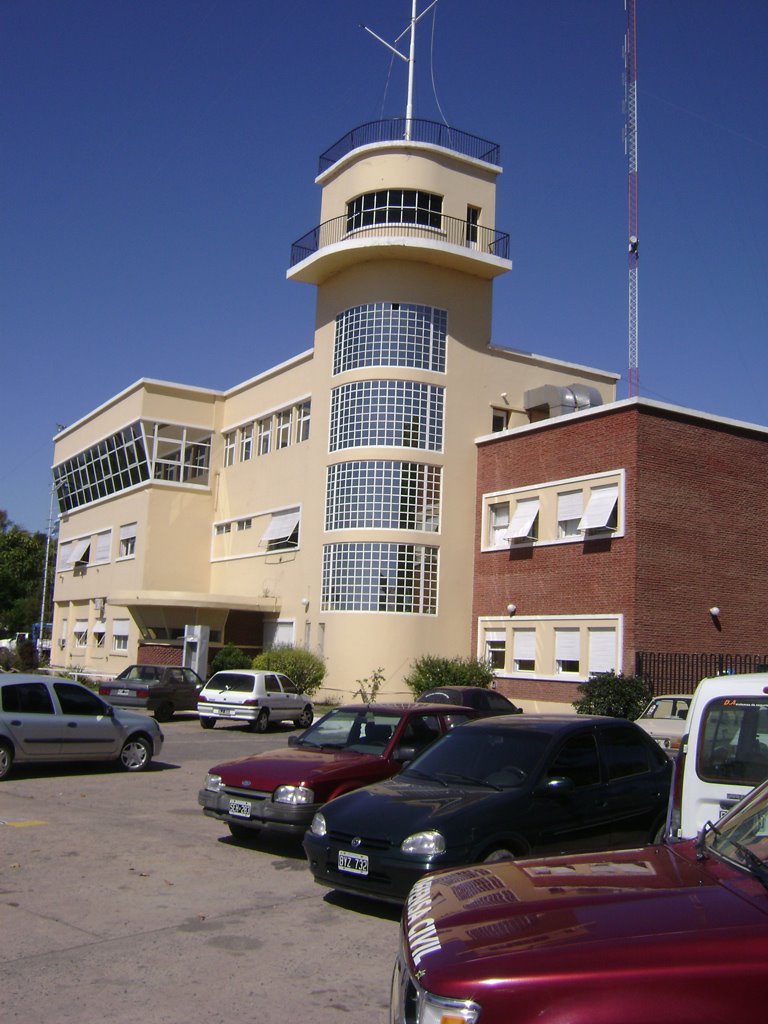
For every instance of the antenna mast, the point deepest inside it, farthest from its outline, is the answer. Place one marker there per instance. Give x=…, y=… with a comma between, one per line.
x=630, y=144
x=410, y=60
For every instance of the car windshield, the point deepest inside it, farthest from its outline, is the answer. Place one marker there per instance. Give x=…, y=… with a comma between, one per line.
x=666, y=707
x=500, y=758
x=364, y=731
x=742, y=837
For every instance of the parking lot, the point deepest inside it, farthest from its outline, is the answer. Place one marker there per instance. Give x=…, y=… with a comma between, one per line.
x=120, y=901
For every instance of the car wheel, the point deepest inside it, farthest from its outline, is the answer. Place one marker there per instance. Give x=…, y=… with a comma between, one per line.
x=261, y=722
x=6, y=759
x=305, y=718
x=241, y=833
x=164, y=711
x=501, y=853
x=207, y=723
x=136, y=754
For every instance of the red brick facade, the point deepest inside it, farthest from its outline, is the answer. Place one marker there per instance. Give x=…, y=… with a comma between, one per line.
x=694, y=532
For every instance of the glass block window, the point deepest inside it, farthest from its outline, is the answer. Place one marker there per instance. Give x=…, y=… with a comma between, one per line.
x=395, y=206
x=380, y=578
x=387, y=413
x=384, y=495
x=390, y=334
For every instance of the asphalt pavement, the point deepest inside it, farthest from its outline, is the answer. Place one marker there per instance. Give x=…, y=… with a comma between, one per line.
x=121, y=902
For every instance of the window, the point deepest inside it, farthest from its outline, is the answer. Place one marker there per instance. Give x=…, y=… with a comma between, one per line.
x=265, y=435
x=624, y=751
x=120, y=635
x=567, y=650
x=395, y=206
x=244, y=524
x=577, y=760
x=524, y=524
x=127, y=541
x=390, y=334
x=276, y=633
x=230, y=441
x=602, y=650
x=246, y=442
x=27, y=699
x=74, y=700
x=222, y=528
x=380, y=577
x=282, y=531
x=496, y=648
x=108, y=467
x=499, y=420
x=98, y=635
x=81, y=632
x=600, y=513
x=387, y=413
x=283, y=429
x=78, y=553
x=498, y=524
x=303, y=411
x=524, y=650
x=733, y=747
x=102, y=549
x=473, y=217
x=384, y=495
x=570, y=506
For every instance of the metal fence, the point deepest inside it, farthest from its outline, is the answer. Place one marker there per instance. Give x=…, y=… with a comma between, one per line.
x=681, y=673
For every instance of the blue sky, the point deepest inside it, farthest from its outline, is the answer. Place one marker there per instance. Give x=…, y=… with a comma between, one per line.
x=159, y=159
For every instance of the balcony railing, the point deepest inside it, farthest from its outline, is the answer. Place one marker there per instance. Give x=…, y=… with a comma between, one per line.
x=394, y=130
x=451, y=231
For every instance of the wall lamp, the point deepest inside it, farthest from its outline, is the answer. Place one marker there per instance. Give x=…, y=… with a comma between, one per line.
x=714, y=612
x=511, y=608
x=305, y=602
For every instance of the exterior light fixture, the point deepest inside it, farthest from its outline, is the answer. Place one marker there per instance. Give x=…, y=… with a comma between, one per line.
x=511, y=608
x=714, y=611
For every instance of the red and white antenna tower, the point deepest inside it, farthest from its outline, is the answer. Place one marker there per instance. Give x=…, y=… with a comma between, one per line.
x=630, y=145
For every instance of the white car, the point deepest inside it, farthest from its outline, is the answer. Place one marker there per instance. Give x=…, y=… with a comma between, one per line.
x=665, y=719
x=47, y=719
x=257, y=698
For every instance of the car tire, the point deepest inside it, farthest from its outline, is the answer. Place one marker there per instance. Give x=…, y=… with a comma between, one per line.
x=6, y=759
x=164, y=711
x=136, y=754
x=305, y=718
x=261, y=721
x=242, y=833
x=207, y=723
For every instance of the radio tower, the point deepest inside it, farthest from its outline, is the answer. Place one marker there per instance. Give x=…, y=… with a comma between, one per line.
x=630, y=145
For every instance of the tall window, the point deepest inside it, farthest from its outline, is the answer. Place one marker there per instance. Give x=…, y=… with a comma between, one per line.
x=246, y=442
x=229, y=448
x=380, y=578
x=265, y=435
x=383, y=495
x=303, y=411
x=283, y=429
x=390, y=334
x=395, y=206
x=473, y=217
x=387, y=413
x=498, y=524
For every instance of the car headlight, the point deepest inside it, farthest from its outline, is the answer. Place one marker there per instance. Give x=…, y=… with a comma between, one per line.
x=318, y=826
x=213, y=783
x=293, y=795
x=425, y=843
x=434, y=1010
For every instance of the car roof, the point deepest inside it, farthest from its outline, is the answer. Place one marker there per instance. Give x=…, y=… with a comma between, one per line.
x=549, y=723
x=33, y=677
x=392, y=707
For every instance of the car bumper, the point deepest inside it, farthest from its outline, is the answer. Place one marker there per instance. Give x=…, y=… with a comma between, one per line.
x=130, y=703
x=224, y=712
x=263, y=812
x=390, y=877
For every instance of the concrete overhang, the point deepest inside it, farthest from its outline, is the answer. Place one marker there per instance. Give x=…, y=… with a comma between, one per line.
x=189, y=599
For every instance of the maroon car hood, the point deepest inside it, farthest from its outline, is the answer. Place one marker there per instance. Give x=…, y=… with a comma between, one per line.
x=512, y=925
x=296, y=766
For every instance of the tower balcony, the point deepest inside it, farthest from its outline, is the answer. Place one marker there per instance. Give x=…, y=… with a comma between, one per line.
x=442, y=241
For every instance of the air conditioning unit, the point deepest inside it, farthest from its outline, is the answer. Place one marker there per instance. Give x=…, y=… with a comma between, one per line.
x=62, y=643
x=98, y=603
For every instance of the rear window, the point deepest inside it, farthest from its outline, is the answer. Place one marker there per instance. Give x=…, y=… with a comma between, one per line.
x=27, y=699
x=231, y=681
x=734, y=741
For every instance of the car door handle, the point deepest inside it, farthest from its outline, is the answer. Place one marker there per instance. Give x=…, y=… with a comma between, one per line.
x=71, y=725
x=15, y=721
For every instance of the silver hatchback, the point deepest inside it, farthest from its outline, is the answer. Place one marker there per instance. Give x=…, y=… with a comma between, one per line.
x=44, y=718
x=254, y=697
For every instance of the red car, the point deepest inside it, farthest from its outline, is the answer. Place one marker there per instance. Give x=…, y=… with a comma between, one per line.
x=663, y=933
x=349, y=747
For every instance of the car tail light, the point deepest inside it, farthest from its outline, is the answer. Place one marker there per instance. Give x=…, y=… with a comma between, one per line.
x=252, y=702
x=201, y=698
x=143, y=694
x=103, y=691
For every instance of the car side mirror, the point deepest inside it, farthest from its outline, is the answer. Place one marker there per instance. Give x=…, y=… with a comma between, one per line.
x=403, y=753
x=556, y=786
x=109, y=711
x=293, y=740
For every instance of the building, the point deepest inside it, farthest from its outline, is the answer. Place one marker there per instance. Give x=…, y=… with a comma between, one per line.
x=626, y=538
x=328, y=502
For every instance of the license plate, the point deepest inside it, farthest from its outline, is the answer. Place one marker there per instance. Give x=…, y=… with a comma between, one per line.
x=240, y=808
x=122, y=693
x=230, y=711
x=353, y=863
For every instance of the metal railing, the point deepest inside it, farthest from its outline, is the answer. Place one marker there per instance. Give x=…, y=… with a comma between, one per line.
x=394, y=130
x=451, y=231
x=681, y=673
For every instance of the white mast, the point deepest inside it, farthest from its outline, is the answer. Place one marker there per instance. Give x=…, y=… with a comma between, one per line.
x=410, y=59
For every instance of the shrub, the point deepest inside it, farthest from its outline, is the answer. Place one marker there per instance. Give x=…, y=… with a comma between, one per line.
x=429, y=671
x=230, y=657
x=368, y=688
x=306, y=669
x=607, y=693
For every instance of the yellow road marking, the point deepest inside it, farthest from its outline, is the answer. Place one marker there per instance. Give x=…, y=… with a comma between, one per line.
x=23, y=824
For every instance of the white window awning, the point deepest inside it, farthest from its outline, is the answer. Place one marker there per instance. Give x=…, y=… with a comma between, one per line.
x=78, y=549
x=523, y=519
x=99, y=627
x=599, y=508
x=281, y=526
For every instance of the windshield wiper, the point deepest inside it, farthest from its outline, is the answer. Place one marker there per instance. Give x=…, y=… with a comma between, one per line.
x=458, y=777
x=752, y=862
x=422, y=775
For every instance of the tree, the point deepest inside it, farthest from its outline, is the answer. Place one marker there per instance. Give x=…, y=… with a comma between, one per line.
x=232, y=657
x=22, y=560
x=429, y=671
x=306, y=669
x=607, y=693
